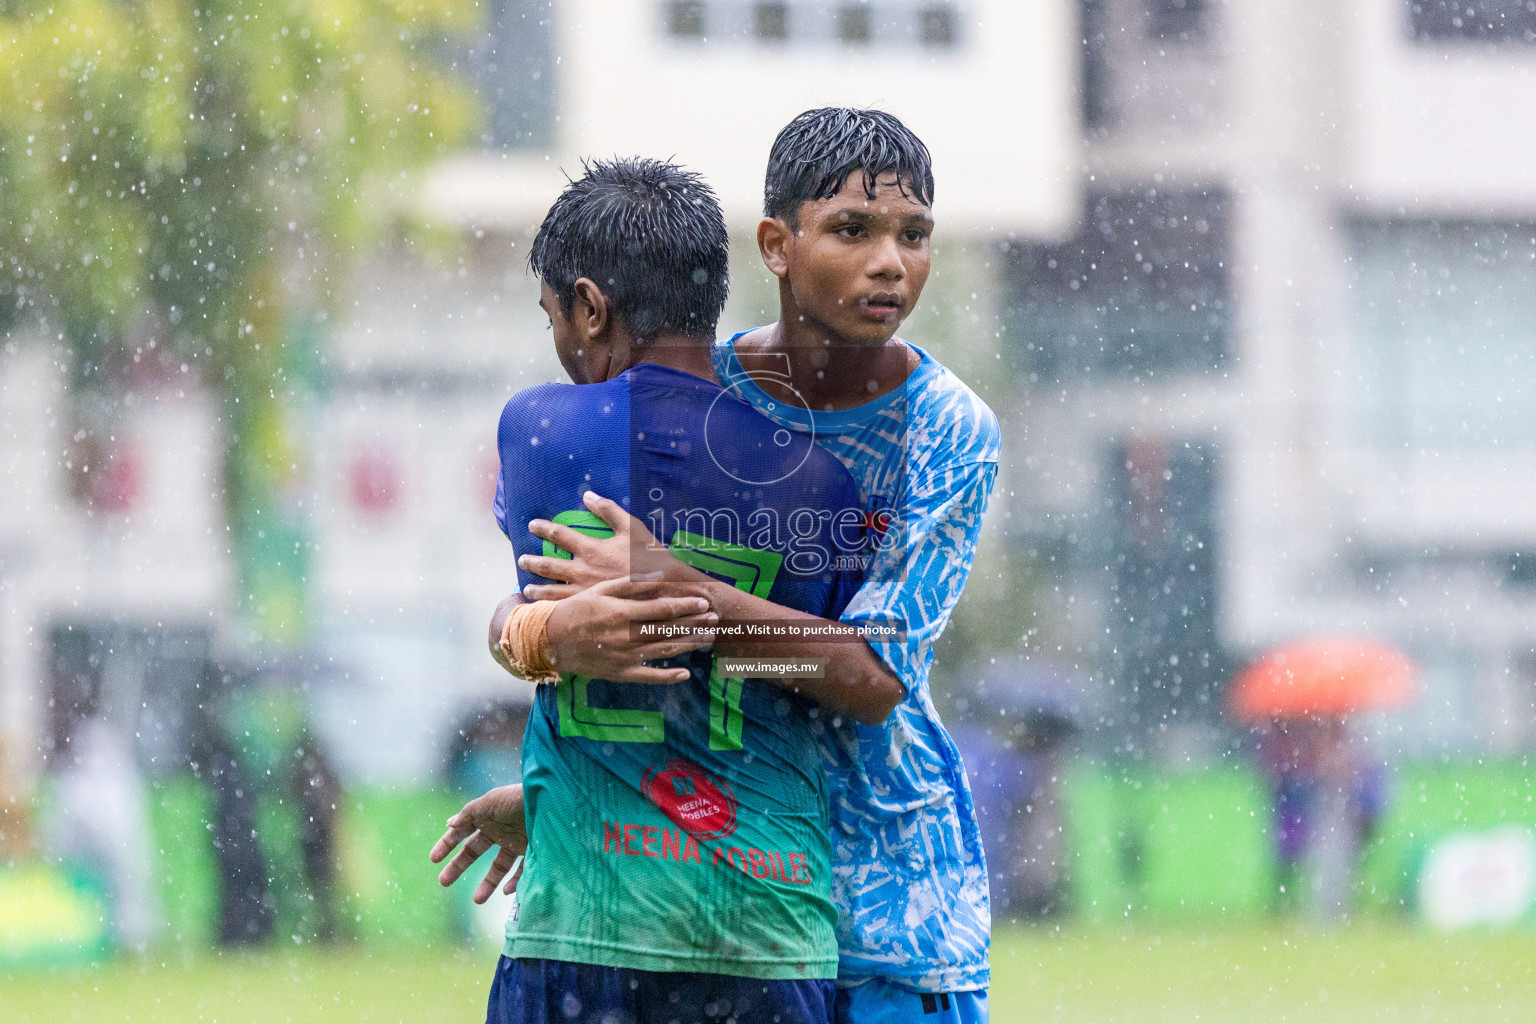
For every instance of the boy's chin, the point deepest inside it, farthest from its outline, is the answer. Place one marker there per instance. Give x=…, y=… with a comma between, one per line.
x=864, y=332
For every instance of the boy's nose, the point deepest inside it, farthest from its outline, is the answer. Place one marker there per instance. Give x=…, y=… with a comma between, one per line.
x=886, y=260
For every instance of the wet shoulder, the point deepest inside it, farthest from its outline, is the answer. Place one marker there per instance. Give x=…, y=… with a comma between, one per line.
x=948, y=420
x=749, y=446
x=546, y=412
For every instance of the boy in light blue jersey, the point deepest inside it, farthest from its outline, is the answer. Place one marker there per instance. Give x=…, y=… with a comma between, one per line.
x=846, y=229
x=908, y=874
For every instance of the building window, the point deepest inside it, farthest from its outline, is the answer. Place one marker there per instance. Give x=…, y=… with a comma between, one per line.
x=1176, y=19
x=1443, y=335
x=1161, y=496
x=1433, y=20
x=685, y=19
x=936, y=25
x=928, y=24
x=770, y=21
x=1094, y=71
x=512, y=65
x=1142, y=291
x=853, y=24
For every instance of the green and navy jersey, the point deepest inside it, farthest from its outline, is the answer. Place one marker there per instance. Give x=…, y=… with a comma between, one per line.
x=683, y=827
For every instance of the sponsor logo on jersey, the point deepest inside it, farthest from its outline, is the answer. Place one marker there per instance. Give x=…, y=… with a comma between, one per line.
x=692, y=799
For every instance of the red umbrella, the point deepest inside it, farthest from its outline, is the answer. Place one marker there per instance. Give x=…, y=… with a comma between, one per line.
x=1322, y=676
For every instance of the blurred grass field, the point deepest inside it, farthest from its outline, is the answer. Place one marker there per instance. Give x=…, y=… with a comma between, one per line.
x=1136, y=975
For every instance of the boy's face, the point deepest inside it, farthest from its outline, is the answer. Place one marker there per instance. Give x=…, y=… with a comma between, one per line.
x=855, y=265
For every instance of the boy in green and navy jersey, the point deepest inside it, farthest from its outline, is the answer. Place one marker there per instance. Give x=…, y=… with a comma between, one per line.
x=681, y=827
x=679, y=849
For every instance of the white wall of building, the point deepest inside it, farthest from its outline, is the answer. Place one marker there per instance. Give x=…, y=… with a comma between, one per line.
x=1318, y=118
x=160, y=558
x=996, y=109
x=1435, y=128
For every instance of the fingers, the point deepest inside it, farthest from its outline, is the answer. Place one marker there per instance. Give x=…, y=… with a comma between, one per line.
x=562, y=570
x=660, y=608
x=618, y=587
x=504, y=862
x=512, y=877
x=549, y=591
x=461, y=862
x=664, y=649
x=649, y=675
x=628, y=587
x=694, y=625
x=562, y=537
x=610, y=512
x=451, y=838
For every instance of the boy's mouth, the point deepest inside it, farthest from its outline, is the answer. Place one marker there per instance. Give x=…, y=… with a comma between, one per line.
x=882, y=306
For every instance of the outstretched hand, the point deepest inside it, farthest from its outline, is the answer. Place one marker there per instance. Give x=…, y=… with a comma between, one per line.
x=494, y=819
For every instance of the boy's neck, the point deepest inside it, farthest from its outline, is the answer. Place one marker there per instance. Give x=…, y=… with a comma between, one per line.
x=677, y=352
x=827, y=373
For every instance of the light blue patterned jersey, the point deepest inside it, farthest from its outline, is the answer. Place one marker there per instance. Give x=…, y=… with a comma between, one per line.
x=908, y=874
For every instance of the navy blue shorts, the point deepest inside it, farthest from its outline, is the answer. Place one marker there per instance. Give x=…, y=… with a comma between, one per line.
x=557, y=992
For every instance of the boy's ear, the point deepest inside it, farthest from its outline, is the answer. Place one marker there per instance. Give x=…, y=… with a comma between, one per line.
x=774, y=236
x=590, y=312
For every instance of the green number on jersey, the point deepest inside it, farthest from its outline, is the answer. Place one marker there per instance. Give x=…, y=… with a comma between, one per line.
x=581, y=520
x=747, y=568
x=750, y=570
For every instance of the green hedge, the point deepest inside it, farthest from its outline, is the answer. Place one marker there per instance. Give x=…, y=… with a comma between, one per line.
x=386, y=889
x=1198, y=842
x=1429, y=800
x=389, y=887
x=1193, y=843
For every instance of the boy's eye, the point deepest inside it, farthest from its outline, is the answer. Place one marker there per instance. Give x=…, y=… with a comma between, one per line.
x=851, y=230
x=914, y=235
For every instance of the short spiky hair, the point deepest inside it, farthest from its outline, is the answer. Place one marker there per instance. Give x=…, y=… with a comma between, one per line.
x=816, y=152
x=646, y=232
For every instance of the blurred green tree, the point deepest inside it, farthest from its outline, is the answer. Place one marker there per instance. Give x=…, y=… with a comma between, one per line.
x=193, y=176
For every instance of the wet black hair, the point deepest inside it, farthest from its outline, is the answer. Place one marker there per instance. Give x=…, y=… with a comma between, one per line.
x=650, y=235
x=816, y=152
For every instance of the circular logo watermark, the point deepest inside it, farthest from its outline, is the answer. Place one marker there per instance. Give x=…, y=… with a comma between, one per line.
x=717, y=440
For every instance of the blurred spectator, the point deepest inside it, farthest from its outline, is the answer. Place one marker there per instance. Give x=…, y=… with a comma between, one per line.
x=1328, y=798
x=271, y=782
x=102, y=825
x=15, y=825
x=1013, y=734
x=487, y=747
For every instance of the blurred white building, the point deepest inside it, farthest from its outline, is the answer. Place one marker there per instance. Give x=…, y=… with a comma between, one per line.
x=407, y=562
x=1284, y=379
x=1250, y=286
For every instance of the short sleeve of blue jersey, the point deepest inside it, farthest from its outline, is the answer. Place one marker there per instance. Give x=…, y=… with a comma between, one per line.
x=916, y=583
x=557, y=441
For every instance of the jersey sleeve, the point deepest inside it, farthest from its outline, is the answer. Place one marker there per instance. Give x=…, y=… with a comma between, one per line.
x=522, y=453
x=921, y=565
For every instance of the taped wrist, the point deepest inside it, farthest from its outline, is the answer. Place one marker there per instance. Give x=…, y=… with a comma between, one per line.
x=525, y=642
